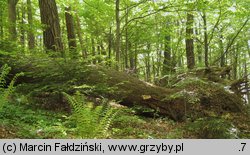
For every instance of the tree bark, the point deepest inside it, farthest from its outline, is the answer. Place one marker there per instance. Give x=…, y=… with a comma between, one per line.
x=235, y=62
x=80, y=37
x=190, y=41
x=93, y=51
x=247, y=88
x=70, y=32
x=110, y=38
x=1, y=24
x=198, y=45
x=167, y=64
x=118, y=35
x=204, y=17
x=222, y=60
x=22, y=24
x=126, y=39
x=12, y=19
x=31, y=36
x=52, y=32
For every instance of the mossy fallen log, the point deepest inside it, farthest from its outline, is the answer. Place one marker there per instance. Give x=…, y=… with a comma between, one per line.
x=45, y=80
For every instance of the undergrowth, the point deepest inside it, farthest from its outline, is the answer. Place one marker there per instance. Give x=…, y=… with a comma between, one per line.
x=6, y=89
x=91, y=121
x=212, y=128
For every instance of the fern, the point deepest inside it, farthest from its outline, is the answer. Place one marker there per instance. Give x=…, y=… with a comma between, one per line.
x=5, y=69
x=6, y=91
x=91, y=122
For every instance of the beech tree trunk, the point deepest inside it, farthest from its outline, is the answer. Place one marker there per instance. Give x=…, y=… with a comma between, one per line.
x=1, y=24
x=190, y=41
x=118, y=35
x=22, y=13
x=12, y=19
x=126, y=39
x=31, y=37
x=52, y=31
x=70, y=31
x=204, y=17
x=167, y=64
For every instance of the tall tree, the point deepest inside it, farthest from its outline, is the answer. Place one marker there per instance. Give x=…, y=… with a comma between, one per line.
x=80, y=36
x=222, y=60
x=70, y=31
x=52, y=33
x=126, y=38
x=118, y=31
x=167, y=64
x=190, y=41
x=12, y=19
x=1, y=20
x=22, y=19
x=204, y=17
x=31, y=36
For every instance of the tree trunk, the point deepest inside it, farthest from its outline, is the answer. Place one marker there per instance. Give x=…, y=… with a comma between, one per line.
x=167, y=64
x=52, y=33
x=126, y=39
x=109, y=46
x=70, y=32
x=247, y=88
x=93, y=51
x=1, y=24
x=235, y=62
x=198, y=45
x=80, y=37
x=118, y=35
x=12, y=19
x=222, y=60
x=204, y=17
x=22, y=24
x=31, y=37
x=190, y=41
x=148, y=64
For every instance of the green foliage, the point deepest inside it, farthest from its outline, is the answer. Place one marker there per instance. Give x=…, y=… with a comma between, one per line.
x=4, y=89
x=91, y=121
x=212, y=128
x=9, y=48
x=30, y=123
x=5, y=69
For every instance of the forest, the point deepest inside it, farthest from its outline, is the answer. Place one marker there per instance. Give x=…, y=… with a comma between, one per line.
x=125, y=69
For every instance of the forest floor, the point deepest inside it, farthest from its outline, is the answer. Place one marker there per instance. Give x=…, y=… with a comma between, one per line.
x=22, y=121
x=25, y=122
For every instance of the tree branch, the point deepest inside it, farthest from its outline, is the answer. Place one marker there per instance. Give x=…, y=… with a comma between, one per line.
x=149, y=14
x=215, y=26
x=232, y=41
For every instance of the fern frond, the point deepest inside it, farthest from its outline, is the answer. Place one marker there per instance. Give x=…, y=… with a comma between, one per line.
x=10, y=88
x=92, y=122
x=5, y=92
x=5, y=69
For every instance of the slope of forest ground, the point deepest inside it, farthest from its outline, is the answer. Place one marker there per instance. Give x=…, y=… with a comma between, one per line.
x=54, y=99
x=21, y=121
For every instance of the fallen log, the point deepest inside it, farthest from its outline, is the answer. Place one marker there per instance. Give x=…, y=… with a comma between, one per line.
x=45, y=80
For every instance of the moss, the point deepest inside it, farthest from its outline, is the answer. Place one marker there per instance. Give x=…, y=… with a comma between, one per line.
x=212, y=128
